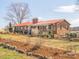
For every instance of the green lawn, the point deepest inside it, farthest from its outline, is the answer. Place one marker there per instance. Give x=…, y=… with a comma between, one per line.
x=8, y=54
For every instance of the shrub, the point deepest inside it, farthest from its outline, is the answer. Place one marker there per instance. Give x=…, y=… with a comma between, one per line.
x=1, y=44
x=70, y=36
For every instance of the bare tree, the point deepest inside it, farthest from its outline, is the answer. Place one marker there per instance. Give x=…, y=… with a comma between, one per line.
x=17, y=12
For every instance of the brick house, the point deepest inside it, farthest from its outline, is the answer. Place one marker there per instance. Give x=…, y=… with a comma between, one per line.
x=56, y=27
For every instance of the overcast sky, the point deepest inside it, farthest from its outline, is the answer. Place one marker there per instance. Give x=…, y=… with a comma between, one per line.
x=45, y=9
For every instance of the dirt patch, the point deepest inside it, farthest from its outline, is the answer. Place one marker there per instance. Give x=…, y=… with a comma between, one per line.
x=41, y=52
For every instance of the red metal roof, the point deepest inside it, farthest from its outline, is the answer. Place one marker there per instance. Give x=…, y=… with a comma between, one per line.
x=41, y=22
x=24, y=24
x=50, y=22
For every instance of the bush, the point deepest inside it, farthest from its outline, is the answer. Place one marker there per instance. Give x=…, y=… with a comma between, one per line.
x=71, y=35
x=1, y=44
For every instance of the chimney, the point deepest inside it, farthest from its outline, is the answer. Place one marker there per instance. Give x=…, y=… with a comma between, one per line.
x=35, y=20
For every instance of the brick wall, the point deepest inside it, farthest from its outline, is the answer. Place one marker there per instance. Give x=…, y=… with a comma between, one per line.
x=62, y=29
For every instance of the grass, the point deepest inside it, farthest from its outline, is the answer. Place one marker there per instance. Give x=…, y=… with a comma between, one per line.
x=63, y=44
x=8, y=54
x=13, y=37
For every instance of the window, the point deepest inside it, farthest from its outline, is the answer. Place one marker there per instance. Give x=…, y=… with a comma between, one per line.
x=44, y=28
x=67, y=27
x=49, y=27
x=60, y=27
